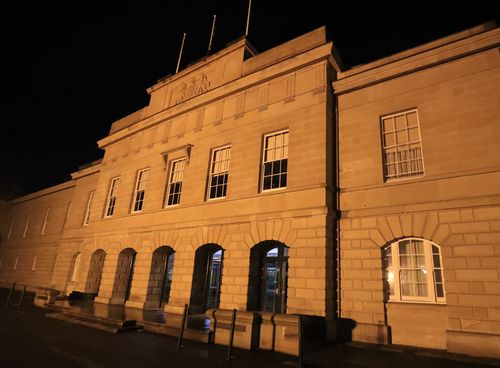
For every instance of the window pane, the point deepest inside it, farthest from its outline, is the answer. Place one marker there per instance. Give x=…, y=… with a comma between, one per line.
x=388, y=125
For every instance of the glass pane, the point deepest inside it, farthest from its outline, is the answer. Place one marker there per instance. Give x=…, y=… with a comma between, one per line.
x=402, y=137
x=272, y=253
x=412, y=119
x=267, y=182
x=440, y=291
x=283, y=180
x=388, y=125
x=400, y=122
x=413, y=133
x=284, y=165
x=270, y=286
x=267, y=168
x=390, y=140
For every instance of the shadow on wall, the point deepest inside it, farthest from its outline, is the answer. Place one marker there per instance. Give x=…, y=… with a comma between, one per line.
x=345, y=328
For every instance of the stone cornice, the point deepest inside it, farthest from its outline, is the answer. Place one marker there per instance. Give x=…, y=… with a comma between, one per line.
x=447, y=49
x=304, y=59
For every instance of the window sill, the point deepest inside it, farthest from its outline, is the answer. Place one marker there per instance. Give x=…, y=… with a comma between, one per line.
x=419, y=302
x=274, y=190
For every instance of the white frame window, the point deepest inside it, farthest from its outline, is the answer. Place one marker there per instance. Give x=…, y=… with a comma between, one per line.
x=45, y=221
x=175, y=182
x=274, y=171
x=33, y=266
x=75, y=267
x=86, y=218
x=414, y=271
x=16, y=261
x=112, y=194
x=11, y=227
x=219, y=172
x=25, y=232
x=402, y=145
x=140, y=190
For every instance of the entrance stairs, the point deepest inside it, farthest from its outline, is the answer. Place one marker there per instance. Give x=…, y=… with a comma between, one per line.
x=101, y=323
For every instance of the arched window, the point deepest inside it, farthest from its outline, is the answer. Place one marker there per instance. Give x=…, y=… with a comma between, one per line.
x=414, y=271
x=268, y=277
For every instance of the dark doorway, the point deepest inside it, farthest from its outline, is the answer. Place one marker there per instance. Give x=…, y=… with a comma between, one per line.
x=124, y=276
x=207, y=278
x=95, y=272
x=160, y=277
x=267, y=284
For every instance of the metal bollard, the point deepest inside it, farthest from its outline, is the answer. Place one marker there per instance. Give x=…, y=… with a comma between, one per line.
x=7, y=302
x=231, y=336
x=212, y=338
x=300, y=341
x=184, y=317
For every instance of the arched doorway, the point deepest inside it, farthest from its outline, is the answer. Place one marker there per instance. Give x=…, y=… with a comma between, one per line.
x=124, y=275
x=268, y=277
x=160, y=277
x=207, y=278
x=95, y=272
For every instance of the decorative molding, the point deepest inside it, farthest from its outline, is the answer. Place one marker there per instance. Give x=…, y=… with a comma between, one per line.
x=196, y=86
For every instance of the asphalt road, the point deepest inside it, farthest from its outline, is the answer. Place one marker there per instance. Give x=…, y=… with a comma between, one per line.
x=29, y=339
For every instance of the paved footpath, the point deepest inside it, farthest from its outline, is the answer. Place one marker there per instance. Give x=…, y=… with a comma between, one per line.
x=29, y=339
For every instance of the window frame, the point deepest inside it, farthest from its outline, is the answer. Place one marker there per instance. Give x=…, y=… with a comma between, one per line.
x=33, y=266
x=263, y=160
x=11, y=228
x=396, y=294
x=211, y=172
x=16, y=261
x=112, y=187
x=26, y=226
x=45, y=221
x=86, y=217
x=170, y=182
x=408, y=174
x=138, y=182
x=76, y=266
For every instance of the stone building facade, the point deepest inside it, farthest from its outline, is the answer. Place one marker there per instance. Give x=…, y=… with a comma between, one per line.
x=228, y=189
x=420, y=195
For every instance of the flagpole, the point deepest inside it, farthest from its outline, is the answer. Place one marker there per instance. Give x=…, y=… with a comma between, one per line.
x=180, y=53
x=248, y=16
x=211, y=36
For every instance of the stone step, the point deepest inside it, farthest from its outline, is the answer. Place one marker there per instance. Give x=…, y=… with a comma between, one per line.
x=112, y=326
x=174, y=330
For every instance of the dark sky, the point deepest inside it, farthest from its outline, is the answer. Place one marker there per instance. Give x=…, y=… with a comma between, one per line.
x=73, y=67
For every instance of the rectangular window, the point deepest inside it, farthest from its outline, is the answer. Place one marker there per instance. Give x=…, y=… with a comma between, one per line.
x=33, y=266
x=16, y=261
x=113, y=192
x=140, y=190
x=45, y=221
x=219, y=172
x=175, y=182
x=86, y=218
x=11, y=227
x=275, y=161
x=402, y=148
x=25, y=232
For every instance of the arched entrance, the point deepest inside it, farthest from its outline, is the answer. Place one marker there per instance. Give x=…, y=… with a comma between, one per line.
x=207, y=278
x=160, y=277
x=95, y=272
x=123, y=277
x=268, y=278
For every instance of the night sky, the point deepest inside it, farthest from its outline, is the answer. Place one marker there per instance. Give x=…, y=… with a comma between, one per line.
x=76, y=66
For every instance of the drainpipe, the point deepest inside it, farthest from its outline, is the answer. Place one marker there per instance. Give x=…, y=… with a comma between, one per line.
x=337, y=204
